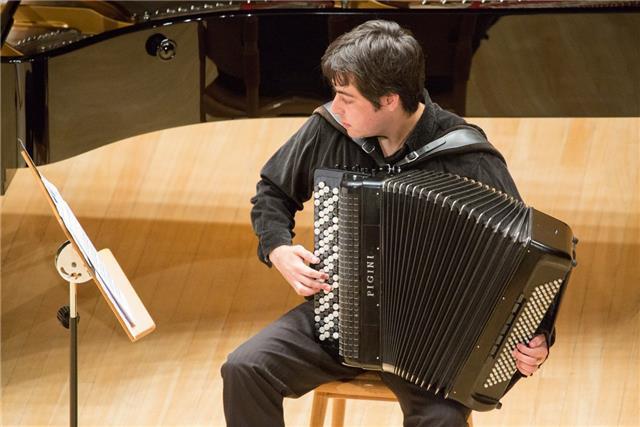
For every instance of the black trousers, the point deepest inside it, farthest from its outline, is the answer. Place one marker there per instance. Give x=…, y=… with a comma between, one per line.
x=285, y=360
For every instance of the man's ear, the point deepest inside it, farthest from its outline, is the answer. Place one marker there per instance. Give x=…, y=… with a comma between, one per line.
x=390, y=101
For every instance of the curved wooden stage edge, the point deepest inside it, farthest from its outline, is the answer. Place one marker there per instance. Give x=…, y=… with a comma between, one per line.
x=173, y=206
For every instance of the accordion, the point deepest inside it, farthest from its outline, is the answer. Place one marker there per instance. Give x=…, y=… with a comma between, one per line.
x=434, y=278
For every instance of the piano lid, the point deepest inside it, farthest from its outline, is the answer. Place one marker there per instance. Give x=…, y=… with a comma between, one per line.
x=31, y=29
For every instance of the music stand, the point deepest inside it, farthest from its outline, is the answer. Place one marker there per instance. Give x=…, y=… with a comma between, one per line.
x=77, y=261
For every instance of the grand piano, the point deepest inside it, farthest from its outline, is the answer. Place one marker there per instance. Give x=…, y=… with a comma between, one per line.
x=80, y=74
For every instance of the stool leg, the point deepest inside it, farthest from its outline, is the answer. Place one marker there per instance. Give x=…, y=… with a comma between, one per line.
x=337, y=415
x=318, y=409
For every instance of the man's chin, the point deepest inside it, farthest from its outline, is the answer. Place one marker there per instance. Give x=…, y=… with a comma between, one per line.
x=353, y=133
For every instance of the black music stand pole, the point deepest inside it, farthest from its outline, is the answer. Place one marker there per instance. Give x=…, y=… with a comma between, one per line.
x=71, y=267
x=73, y=357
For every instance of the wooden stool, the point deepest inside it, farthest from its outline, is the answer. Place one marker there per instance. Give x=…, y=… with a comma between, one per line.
x=366, y=386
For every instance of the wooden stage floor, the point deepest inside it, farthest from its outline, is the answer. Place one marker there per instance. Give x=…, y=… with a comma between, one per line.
x=173, y=206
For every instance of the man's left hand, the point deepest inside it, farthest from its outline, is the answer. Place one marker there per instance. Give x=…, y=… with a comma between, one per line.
x=530, y=357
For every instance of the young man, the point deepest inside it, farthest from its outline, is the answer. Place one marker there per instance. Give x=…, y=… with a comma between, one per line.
x=377, y=71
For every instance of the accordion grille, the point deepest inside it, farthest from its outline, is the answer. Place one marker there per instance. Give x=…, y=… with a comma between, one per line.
x=348, y=246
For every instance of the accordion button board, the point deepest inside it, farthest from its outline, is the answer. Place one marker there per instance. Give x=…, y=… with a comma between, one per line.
x=435, y=278
x=326, y=248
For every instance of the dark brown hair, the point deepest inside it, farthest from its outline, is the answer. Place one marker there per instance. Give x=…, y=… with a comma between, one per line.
x=378, y=58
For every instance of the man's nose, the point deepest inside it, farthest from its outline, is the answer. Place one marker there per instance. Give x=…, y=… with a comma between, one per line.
x=336, y=107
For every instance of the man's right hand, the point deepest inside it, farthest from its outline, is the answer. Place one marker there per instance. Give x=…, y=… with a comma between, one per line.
x=292, y=262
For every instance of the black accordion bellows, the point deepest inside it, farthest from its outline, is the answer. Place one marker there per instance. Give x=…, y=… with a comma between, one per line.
x=435, y=278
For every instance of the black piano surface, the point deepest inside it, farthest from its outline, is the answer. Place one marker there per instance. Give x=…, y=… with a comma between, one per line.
x=80, y=74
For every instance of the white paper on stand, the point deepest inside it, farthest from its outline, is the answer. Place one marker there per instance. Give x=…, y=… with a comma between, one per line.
x=89, y=252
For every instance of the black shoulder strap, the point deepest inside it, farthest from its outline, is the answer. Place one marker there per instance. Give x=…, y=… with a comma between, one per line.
x=462, y=139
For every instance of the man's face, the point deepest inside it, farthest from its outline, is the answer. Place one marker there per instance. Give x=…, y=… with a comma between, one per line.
x=357, y=114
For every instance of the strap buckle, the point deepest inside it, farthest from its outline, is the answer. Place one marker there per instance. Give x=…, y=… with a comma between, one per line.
x=411, y=156
x=368, y=147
